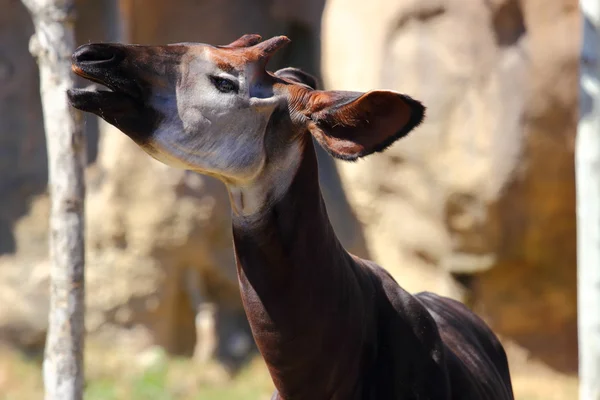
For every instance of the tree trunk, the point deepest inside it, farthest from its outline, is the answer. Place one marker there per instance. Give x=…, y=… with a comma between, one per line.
x=52, y=45
x=587, y=156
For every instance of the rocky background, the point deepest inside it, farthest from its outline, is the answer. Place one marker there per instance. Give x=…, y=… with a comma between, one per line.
x=478, y=204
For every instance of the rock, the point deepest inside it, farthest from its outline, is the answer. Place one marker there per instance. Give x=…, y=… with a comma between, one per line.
x=153, y=359
x=23, y=173
x=206, y=334
x=24, y=322
x=147, y=224
x=478, y=203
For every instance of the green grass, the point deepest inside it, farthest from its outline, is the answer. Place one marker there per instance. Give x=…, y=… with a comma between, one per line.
x=113, y=375
x=101, y=390
x=181, y=379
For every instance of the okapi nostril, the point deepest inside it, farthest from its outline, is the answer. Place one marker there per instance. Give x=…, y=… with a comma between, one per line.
x=95, y=54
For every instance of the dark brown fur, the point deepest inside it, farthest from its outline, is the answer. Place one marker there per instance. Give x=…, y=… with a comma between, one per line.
x=333, y=326
x=329, y=325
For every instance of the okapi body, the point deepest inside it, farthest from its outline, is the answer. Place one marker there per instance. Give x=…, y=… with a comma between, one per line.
x=329, y=325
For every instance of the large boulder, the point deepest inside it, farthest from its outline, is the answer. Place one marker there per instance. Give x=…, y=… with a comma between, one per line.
x=23, y=171
x=23, y=176
x=478, y=203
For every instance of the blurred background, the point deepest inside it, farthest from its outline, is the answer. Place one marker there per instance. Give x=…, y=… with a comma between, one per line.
x=478, y=204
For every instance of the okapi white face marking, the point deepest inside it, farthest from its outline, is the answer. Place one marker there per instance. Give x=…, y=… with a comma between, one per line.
x=217, y=111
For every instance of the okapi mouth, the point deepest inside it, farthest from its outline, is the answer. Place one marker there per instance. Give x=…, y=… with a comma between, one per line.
x=102, y=64
x=122, y=101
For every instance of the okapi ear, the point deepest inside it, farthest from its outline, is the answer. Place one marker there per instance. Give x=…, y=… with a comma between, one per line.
x=350, y=125
x=298, y=76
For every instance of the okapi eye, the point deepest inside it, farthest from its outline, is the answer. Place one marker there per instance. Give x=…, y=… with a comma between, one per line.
x=224, y=85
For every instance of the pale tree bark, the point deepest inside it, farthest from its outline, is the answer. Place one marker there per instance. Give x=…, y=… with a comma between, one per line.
x=587, y=156
x=52, y=45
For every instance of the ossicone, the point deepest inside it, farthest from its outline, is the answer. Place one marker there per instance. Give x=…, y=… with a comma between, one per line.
x=245, y=41
x=256, y=51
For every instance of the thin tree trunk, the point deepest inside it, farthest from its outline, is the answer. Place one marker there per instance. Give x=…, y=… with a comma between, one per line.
x=52, y=45
x=587, y=155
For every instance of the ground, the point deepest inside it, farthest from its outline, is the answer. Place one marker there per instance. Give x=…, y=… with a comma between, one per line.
x=154, y=376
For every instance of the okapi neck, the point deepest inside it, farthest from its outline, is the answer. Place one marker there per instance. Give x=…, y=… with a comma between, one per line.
x=299, y=290
x=291, y=230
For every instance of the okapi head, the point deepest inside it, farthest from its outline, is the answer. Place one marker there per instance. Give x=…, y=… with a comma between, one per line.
x=217, y=111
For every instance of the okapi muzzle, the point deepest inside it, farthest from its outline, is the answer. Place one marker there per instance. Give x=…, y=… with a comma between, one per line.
x=132, y=76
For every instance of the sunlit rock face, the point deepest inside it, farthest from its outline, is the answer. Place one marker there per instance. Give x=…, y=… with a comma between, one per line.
x=479, y=202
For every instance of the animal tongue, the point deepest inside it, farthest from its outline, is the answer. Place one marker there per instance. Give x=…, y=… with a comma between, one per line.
x=96, y=87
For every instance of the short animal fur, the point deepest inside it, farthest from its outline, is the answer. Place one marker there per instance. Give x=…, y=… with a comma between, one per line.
x=328, y=324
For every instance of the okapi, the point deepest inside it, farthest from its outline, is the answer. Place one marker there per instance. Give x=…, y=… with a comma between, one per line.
x=329, y=325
